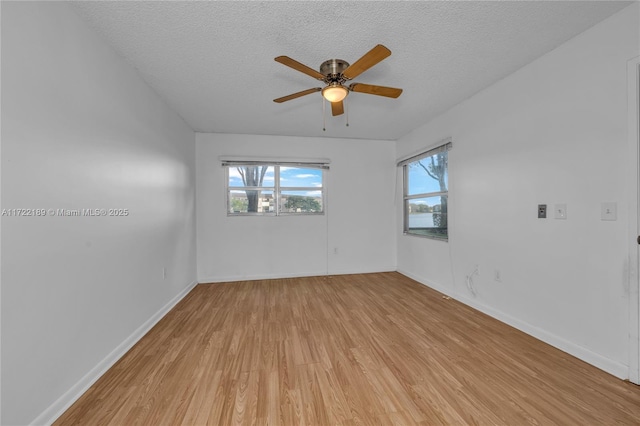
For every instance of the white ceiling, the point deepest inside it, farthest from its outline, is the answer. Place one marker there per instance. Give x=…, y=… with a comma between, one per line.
x=213, y=61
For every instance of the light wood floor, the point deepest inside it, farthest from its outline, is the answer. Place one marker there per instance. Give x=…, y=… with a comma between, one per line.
x=355, y=349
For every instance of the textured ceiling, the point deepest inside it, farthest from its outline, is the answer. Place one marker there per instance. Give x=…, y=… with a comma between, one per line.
x=213, y=61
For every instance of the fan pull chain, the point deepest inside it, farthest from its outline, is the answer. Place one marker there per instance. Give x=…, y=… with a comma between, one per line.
x=346, y=110
x=324, y=119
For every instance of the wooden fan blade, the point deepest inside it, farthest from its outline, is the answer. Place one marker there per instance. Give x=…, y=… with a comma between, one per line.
x=369, y=59
x=389, y=92
x=337, y=108
x=285, y=60
x=297, y=95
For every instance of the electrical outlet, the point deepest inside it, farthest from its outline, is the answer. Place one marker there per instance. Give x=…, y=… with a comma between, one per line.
x=542, y=211
x=496, y=275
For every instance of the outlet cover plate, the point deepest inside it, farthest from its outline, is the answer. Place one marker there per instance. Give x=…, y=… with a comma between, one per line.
x=542, y=211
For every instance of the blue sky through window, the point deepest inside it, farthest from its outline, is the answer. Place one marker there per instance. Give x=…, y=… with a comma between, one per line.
x=298, y=177
x=290, y=177
x=420, y=182
x=236, y=180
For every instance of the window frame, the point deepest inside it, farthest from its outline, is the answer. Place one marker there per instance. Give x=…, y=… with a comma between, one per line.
x=444, y=146
x=276, y=188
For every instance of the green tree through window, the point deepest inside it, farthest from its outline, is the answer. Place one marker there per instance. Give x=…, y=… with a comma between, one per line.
x=252, y=176
x=303, y=204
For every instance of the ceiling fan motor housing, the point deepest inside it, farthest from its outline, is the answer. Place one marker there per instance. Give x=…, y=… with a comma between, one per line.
x=333, y=69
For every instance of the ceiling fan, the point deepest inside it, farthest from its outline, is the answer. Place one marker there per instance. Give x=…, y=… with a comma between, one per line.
x=335, y=73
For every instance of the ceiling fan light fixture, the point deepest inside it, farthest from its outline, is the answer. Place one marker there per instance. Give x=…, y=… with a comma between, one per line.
x=335, y=92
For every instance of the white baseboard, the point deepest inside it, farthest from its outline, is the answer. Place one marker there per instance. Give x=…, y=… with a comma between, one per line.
x=612, y=367
x=234, y=278
x=56, y=409
x=368, y=271
x=437, y=287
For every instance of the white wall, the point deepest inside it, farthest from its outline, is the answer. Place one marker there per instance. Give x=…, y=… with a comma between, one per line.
x=359, y=219
x=80, y=129
x=553, y=132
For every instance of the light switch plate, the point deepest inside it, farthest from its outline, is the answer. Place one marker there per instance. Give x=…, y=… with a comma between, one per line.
x=560, y=211
x=609, y=211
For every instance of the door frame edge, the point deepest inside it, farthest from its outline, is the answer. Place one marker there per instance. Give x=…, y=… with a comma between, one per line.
x=633, y=134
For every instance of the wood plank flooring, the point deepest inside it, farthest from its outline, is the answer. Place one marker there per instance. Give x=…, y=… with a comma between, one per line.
x=370, y=349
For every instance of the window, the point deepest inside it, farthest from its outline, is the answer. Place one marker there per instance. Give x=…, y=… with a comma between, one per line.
x=426, y=193
x=260, y=188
